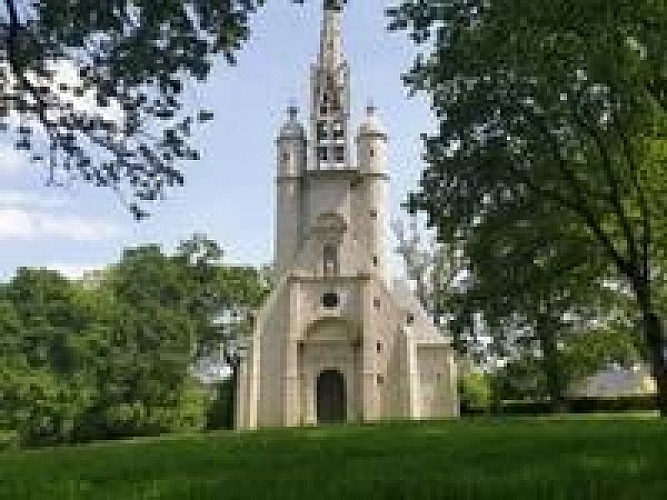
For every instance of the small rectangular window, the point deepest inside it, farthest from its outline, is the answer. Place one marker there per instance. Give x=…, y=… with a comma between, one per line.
x=339, y=152
x=322, y=153
x=378, y=347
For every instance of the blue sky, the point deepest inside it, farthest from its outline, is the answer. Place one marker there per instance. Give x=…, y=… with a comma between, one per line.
x=229, y=194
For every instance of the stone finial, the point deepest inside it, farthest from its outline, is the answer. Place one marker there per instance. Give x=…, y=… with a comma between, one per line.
x=334, y=4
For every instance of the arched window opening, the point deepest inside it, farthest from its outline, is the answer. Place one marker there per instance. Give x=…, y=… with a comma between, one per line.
x=338, y=131
x=339, y=152
x=322, y=131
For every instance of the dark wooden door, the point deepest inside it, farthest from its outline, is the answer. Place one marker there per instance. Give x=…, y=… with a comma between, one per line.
x=331, y=403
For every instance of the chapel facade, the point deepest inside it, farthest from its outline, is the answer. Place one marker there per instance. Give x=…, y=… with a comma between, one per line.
x=333, y=343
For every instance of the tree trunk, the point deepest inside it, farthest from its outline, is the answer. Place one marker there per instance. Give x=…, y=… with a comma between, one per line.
x=233, y=395
x=547, y=334
x=657, y=346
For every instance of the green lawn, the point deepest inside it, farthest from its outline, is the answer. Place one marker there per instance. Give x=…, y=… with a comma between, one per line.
x=610, y=458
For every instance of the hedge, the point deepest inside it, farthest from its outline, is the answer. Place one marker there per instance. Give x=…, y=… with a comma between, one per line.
x=572, y=405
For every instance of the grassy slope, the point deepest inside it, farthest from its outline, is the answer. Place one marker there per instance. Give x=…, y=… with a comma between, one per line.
x=516, y=459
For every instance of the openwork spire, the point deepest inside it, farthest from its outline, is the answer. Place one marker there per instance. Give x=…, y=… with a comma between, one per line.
x=331, y=43
x=330, y=95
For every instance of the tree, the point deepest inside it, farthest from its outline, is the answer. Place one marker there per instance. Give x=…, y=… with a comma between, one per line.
x=533, y=282
x=228, y=304
x=437, y=269
x=93, y=89
x=194, y=285
x=218, y=291
x=145, y=350
x=518, y=298
x=45, y=389
x=114, y=357
x=562, y=108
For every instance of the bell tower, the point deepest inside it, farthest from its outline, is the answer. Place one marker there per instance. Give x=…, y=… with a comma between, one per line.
x=331, y=217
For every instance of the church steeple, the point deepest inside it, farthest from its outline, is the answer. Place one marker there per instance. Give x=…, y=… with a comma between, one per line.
x=331, y=46
x=330, y=106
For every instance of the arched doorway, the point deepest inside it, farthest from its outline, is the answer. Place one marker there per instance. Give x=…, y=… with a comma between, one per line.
x=331, y=401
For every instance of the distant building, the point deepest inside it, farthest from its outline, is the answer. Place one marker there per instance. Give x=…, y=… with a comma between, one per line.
x=616, y=381
x=333, y=342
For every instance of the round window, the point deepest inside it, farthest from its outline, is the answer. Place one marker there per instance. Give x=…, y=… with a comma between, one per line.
x=330, y=300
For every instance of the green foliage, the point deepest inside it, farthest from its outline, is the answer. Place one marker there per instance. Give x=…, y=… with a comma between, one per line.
x=8, y=440
x=475, y=391
x=580, y=355
x=98, y=85
x=578, y=458
x=552, y=128
x=520, y=379
x=586, y=353
x=114, y=358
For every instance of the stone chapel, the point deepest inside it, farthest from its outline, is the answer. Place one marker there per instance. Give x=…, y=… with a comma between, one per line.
x=333, y=342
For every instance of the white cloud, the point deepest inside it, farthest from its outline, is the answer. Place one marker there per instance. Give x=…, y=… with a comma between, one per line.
x=26, y=224
x=15, y=224
x=12, y=161
x=35, y=199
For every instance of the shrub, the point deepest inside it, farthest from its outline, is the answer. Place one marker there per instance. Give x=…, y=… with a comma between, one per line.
x=580, y=405
x=475, y=393
x=9, y=440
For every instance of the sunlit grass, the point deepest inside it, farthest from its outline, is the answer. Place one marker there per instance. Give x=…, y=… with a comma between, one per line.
x=567, y=458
